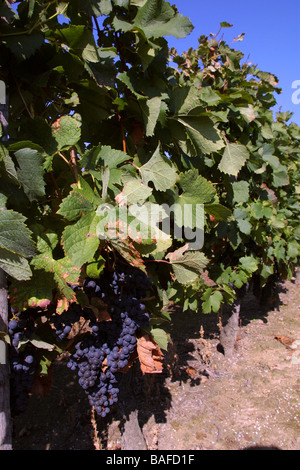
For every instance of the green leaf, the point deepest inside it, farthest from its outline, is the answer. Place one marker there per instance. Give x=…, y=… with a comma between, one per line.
x=209, y=96
x=185, y=99
x=151, y=110
x=203, y=133
x=96, y=7
x=64, y=272
x=218, y=211
x=293, y=249
x=24, y=46
x=66, y=131
x=160, y=171
x=31, y=173
x=81, y=200
x=122, y=3
x=156, y=18
x=248, y=264
x=239, y=277
x=211, y=301
x=14, y=265
x=94, y=268
x=244, y=226
x=79, y=40
x=14, y=235
x=196, y=186
x=145, y=226
x=280, y=177
x=242, y=218
x=35, y=292
x=187, y=265
x=102, y=156
x=240, y=191
x=225, y=24
x=125, y=78
x=134, y=192
x=233, y=159
x=80, y=240
x=196, y=191
x=160, y=337
x=7, y=167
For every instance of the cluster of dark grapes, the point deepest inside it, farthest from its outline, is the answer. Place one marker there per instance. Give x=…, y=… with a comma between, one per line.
x=22, y=362
x=101, y=356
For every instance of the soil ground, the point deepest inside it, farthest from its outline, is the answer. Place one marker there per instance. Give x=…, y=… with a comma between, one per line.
x=202, y=400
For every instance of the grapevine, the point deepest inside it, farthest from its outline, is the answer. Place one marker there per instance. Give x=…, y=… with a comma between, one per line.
x=129, y=182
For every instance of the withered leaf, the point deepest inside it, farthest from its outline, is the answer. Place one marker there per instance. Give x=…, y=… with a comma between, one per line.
x=150, y=356
x=284, y=340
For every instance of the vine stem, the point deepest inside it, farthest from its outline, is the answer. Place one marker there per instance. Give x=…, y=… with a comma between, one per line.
x=64, y=158
x=5, y=417
x=157, y=261
x=74, y=165
x=96, y=439
x=99, y=32
x=55, y=185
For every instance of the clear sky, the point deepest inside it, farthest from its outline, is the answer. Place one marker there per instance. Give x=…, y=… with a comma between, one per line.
x=272, y=37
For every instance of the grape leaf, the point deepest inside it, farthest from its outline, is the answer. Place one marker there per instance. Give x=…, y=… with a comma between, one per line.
x=64, y=272
x=80, y=240
x=233, y=159
x=129, y=252
x=189, y=206
x=151, y=110
x=134, y=192
x=31, y=173
x=15, y=265
x=160, y=171
x=15, y=237
x=156, y=18
x=187, y=265
x=102, y=156
x=240, y=191
x=7, y=167
x=66, y=131
x=218, y=211
x=211, y=301
x=248, y=264
x=80, y=201
x=203, y=133
x=24, y=45
x=160, y=337
x=36, y=292
x=95, y=267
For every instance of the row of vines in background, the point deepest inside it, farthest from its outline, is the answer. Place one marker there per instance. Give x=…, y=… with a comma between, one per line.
x=102, y=117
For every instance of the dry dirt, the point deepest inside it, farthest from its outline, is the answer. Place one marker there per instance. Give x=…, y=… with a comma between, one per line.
x=203, y=400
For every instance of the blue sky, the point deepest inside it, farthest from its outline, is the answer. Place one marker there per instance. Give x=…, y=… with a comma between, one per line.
x=272, y=37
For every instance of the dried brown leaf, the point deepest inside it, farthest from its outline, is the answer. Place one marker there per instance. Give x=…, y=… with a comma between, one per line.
x=285, y=340
x=150, y=356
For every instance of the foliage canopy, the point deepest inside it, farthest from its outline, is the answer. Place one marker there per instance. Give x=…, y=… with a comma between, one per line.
x=102, y=116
